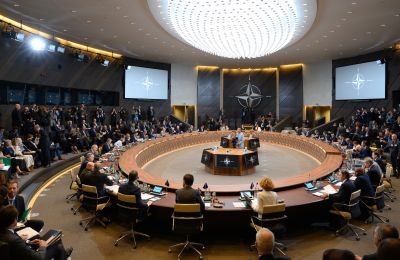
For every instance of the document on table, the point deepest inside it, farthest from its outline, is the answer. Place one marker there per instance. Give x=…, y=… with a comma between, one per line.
x=27, y=233
x=319, y=194
x=113, y=188
x=146, y=196
x=329, y=189
x=239, y=204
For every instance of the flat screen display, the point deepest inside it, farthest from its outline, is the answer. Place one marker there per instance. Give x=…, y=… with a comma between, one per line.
x=146, y=83
x=361, y=81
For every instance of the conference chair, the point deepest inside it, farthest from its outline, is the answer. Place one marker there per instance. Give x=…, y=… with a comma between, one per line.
x=93, y=204
x=73, y=187
x=348, y=212
x=273, y=218
x=78, y=194
x=388, y=193
x=377, y=206
x=128, y=211
x=187, y=219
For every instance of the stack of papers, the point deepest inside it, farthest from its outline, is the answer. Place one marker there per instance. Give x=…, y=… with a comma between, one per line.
x=27, y=233
x=146, y=196
x=239, y=204
x=327, y=189
x=113, y=188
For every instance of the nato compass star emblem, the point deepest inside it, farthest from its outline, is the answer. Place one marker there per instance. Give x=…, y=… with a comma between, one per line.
x=147, y=83
x=358, y=81
x=227, y=162
x=250, y=95
x=252, y=160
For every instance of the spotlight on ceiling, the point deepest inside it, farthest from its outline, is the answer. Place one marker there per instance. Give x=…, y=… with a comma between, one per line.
x=104, y=62
x=81, y=57
x=60, y=49
x=38, y=44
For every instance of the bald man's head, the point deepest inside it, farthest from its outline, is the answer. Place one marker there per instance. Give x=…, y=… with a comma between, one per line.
x=90, y=166
x=265, y=241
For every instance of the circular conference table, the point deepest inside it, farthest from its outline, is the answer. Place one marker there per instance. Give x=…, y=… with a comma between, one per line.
x=301, y=206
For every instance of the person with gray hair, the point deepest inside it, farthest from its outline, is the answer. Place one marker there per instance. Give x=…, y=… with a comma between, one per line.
x=382, y=232
x=373, y=171
x=265, y=241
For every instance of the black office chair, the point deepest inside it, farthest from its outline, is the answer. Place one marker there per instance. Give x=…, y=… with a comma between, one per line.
x=93, y=204
x=187, y=219
x=127, y=211
x=5, y=251
x=273, y=218
x=377, y=206
x=348, y=212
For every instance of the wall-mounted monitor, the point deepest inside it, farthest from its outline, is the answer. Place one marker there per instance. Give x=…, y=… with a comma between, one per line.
x=146, y=83
x=362, y=81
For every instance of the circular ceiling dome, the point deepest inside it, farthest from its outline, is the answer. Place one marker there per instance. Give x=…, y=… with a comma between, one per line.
x=239, y=29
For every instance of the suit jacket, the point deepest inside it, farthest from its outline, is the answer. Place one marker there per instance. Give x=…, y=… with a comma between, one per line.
x=189, y=195
x=344, y=193
x=131, y=189
x=19, y=249
x=97, y=179
x=106, y=148
x=363, y=183
x=19, y=203
x=374, y=175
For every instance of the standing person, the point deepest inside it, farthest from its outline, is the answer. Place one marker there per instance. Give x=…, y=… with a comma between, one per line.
x=44, y=146
x=150, y=114
x=16, y=117
x=393, y=148
x=188, y=195
x=239, y=138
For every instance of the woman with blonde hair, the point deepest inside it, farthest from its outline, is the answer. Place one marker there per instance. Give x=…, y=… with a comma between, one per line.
x=20, y=151
x=266, y=196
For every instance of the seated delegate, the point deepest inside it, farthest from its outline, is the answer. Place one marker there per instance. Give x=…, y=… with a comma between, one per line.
x=266, y=196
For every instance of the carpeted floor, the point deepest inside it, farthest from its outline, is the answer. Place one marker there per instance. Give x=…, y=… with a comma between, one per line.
x=174, y=165
x=97, y=243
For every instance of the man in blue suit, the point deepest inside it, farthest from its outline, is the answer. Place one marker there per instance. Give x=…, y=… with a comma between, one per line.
x=239, y=138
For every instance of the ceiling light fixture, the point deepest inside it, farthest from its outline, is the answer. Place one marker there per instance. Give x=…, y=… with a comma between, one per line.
x=236, y=29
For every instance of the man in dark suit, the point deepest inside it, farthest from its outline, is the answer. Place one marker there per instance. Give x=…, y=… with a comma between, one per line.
x=265, y=241
x=19, y=248
x=130, y=188
x=187, y=194
x=89, y=157
x=373, y=171
x=363, y=183
x=392, y=148
x=345, y=191
x=381, y=232
x=97, y=178
x=107, y=146
x=16, y=117
x=18, y=202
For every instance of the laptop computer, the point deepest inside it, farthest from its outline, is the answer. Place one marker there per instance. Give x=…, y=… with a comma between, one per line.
x=310, y=186
x=248, y=198
x=332, y=179
x=157, y=190
x=243, y=195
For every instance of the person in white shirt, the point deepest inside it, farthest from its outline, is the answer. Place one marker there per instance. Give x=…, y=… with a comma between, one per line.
x=120, y=142
x=265, y=197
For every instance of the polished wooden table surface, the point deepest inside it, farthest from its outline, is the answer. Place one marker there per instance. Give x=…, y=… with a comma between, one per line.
x=138, y=156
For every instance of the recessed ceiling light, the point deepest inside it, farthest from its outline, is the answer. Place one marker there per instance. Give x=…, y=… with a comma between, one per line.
x=155, y=38
x=85, y=38
x=332, y=31
x=354, y=39
x=349, y=12
x=73, y=11
x=118, y=7
x=343, y=19
x=383, y=25
x=132, y=23
x=397, y=15
x=305, y=4
x=368, y=32
x=140, y=29
x=325, y=36
x=101, y=29
x=41, y=19
x=354, y=3
x=338, y=26
x=88, y=21
x=115, y=36
x=148, y=34
x=125, y=16
x=65, y=30
x=16, y=5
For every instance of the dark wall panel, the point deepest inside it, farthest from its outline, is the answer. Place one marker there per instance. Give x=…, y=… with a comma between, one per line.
x=208, y=93
x=291, y=92
x=235, y=84
x=344, y=109
x=19, y=63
